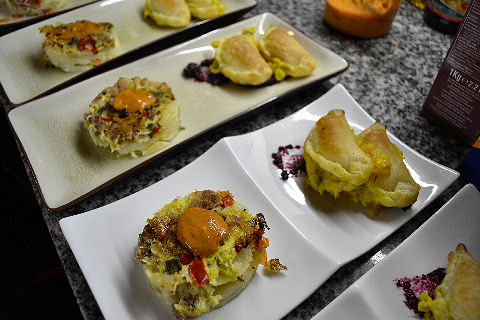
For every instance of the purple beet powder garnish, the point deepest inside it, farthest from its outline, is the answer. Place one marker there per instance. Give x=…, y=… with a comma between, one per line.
x=290, y=160
x=201, y=72
x=413, y=287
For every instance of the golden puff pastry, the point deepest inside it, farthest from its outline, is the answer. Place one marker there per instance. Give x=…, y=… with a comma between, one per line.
x=390, y=184
x=206, y=9
x=458, y=296
x=334, y=162
x=170, y=13
x=238, y=59
x=284, y=54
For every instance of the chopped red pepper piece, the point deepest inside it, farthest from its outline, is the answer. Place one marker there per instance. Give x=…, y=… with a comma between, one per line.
x=87, y=44
x=198, y=272
x=227, y=199
x=186, y=258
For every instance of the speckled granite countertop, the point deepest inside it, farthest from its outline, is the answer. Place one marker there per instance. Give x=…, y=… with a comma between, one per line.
x=389, y=77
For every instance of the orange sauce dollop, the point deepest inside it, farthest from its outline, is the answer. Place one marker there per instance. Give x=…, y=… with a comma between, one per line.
x=201, y=231
x=133, y=100
x=80, y=30
x=361, y=18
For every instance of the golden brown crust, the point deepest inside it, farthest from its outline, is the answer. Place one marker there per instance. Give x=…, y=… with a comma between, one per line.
x=461, y=286
x=391, y=184
x=279, y=43
x=173, y=13
x=239, y=60
x=333, y=160
x=335, y=139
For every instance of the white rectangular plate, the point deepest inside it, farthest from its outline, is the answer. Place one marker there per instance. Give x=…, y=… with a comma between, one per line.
x=104, y=240
x=67, y=165
x=7, y=19
x=22, y=72
x=376, y=296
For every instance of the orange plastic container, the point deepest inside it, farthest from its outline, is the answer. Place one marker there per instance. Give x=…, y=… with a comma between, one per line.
x=361, y=18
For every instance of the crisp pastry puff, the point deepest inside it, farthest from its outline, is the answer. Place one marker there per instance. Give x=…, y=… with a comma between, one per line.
x=170, y=13
x=284, y=54
x=391, y=184
x=206, y=9
x=333, y=160
x=458, y=296
x=238, y=59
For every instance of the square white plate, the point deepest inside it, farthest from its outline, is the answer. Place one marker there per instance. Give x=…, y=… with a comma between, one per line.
x=376, y=296
x=103, y=240
x=22, y=72
x=67, y=165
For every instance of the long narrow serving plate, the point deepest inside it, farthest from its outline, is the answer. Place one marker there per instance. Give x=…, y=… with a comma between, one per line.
x=376, y=296
x=104, y=240
x=7, y=19
x=66, y=164
x=22, y=71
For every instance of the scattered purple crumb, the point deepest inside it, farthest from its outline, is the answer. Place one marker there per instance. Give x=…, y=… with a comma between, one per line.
x=290, y=160
x=201, y=72
x=413, y=287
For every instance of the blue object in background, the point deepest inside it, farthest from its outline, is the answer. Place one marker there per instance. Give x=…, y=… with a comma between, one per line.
x=470, y=167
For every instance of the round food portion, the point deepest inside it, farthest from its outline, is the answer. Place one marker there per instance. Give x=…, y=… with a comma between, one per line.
x=35, y=7
x=80, y=45
x=133, y=117
x=197, y=281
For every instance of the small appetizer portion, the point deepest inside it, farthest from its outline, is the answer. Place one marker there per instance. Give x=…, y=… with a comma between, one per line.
x=134, y=116
x=171, y=13
x=451, y=294
x=369, y=167
x=79, y=46
x=206, y=9
x=390, y=184
x=238, y=59
x=285, y=55
x=200, y=251
x=458, y=296
x=334, y=161
x=35, y=7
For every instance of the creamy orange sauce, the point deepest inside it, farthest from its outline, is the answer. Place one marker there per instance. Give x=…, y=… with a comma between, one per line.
x=133, y=100
x=361, y=18
x=80, y=30
x=201, y=231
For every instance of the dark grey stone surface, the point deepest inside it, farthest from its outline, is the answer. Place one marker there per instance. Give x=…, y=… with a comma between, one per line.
x=389, y=77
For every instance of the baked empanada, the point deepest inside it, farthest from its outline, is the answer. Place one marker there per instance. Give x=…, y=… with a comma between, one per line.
x=170, y=13
x=206, y=9
x=390, y=184
x=238, y=59
x=333, y=159
x=284, y=54
x=458, y=296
